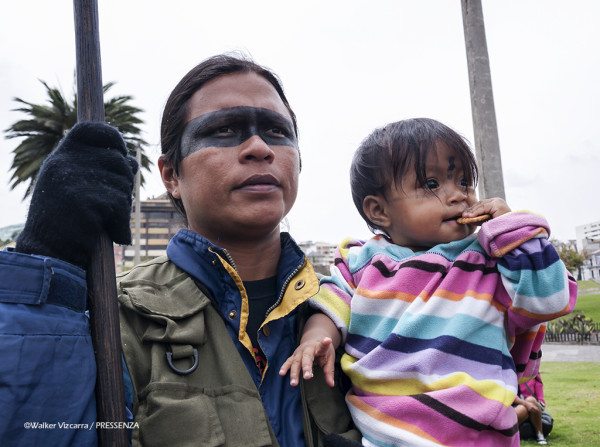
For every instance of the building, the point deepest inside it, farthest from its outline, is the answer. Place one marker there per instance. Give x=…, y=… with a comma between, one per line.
x=588, y=242
x=320, y=254
x=586, y=234
x=591, y=268
x=159, y=221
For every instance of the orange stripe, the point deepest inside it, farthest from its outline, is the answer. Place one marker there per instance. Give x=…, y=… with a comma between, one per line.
x=385, y=294
x=532, y=334
x=486, y=297
x=445, y=294
x=499, y=252
x=541, y=317
x=389, y=420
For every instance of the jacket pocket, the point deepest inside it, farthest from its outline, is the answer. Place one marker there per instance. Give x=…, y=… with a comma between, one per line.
x=178, y=415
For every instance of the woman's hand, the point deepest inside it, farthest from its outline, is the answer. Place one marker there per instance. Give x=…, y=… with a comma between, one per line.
x=83, y=188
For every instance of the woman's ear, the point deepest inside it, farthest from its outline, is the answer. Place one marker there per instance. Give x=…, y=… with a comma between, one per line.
x=375, y=208
x=169, y=177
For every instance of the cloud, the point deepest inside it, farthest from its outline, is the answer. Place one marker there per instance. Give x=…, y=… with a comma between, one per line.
x=347, y=68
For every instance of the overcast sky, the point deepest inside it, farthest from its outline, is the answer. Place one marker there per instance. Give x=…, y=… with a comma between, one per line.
x=347, y=67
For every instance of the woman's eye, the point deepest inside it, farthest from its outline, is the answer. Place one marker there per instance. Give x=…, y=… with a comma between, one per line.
x=223, y=131
x=431, y=184
x=277, y=131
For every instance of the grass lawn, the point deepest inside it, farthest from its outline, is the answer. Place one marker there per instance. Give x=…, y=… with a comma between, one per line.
x=585, y=286
x=589, y=305
x=588, y=301
x=572, y=393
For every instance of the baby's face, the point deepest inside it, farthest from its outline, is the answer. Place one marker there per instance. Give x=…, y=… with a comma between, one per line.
x=422, y=216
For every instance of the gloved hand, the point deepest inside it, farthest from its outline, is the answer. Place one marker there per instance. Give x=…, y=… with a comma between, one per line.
x=83, y=187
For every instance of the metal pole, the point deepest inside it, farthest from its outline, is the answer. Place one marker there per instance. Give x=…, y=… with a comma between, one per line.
x=487, y=146
x=102, y=291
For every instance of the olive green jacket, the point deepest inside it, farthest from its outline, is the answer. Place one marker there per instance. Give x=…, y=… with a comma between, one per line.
x=169, y=324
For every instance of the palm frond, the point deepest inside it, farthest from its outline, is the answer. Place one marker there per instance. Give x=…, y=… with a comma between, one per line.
x=47, y=123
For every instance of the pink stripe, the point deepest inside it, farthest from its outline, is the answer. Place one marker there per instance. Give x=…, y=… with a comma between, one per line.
x=443, y=429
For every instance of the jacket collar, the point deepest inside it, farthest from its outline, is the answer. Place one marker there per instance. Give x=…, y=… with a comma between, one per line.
x=199, y=257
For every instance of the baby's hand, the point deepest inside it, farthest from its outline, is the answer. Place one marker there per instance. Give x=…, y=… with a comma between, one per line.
x=305, y=355
x=494, y=207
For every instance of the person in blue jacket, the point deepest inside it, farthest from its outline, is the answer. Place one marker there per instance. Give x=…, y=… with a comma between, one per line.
x=205, y=328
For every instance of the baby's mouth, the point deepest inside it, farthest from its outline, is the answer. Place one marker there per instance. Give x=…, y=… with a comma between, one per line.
x=454, y=218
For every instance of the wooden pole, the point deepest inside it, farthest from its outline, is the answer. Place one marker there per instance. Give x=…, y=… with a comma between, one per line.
x=485, y=129
x=102, y=290
x=138, y=204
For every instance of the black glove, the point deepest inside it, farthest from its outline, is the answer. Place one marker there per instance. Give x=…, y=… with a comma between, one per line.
x=84, y=187
x=333, y=440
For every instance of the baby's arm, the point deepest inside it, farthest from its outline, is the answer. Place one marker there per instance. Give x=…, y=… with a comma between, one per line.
x=320, y=339
x=536, y=285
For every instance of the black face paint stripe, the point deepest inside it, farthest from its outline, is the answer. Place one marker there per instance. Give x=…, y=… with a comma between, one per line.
x=232, y=126
x=451, y=167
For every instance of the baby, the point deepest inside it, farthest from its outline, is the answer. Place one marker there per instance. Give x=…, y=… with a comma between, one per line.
x=438, y=324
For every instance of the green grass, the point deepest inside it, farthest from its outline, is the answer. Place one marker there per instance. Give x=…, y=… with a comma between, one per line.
x=584, y=286
x=588, y=301
x=572, y=393
x=589, y=305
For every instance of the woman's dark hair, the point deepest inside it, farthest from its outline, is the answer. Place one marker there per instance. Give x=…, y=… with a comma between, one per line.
x=175, y=113
x=391, y=151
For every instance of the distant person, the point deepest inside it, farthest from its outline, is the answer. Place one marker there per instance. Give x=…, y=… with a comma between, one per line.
x=438, y=323
x=529, y=405
x=205, y=328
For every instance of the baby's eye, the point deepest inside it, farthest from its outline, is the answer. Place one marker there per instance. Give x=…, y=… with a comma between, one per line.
x=431, y=184
x=465, y=183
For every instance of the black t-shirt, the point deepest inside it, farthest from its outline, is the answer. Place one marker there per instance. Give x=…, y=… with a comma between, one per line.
x=262, y=294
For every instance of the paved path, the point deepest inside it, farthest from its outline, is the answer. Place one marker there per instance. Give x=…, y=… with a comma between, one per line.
x=554, y=352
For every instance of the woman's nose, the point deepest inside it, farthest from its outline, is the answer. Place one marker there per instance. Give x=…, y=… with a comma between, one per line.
x=255, y=149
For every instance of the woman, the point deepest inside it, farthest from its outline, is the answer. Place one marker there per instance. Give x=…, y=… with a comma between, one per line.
x=205, y=328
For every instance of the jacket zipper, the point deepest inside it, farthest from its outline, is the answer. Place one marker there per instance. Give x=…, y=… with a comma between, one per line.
x=282, y=291
x=230, y=260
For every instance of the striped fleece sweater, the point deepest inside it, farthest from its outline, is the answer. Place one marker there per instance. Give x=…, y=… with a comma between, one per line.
x=437, y=341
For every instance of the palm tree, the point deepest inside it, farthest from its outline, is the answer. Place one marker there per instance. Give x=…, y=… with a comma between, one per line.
x=48, y=123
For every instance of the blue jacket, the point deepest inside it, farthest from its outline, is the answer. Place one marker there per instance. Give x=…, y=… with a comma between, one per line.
x=47, y=371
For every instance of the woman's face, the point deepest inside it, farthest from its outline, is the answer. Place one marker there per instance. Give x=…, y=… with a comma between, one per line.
x=239, y=175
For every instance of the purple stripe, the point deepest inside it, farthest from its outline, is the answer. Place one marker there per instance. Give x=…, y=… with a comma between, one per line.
x=445, y=343
x=431, y=360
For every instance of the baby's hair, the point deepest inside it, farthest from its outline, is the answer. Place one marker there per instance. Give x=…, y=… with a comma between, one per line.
x=390, y=151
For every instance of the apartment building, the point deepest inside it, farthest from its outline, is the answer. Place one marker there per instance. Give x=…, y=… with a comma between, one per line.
x=588, y=240
x=159, y=222
x=320, y=254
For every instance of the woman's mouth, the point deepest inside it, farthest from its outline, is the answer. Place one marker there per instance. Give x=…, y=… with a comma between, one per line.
x=260, y=183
